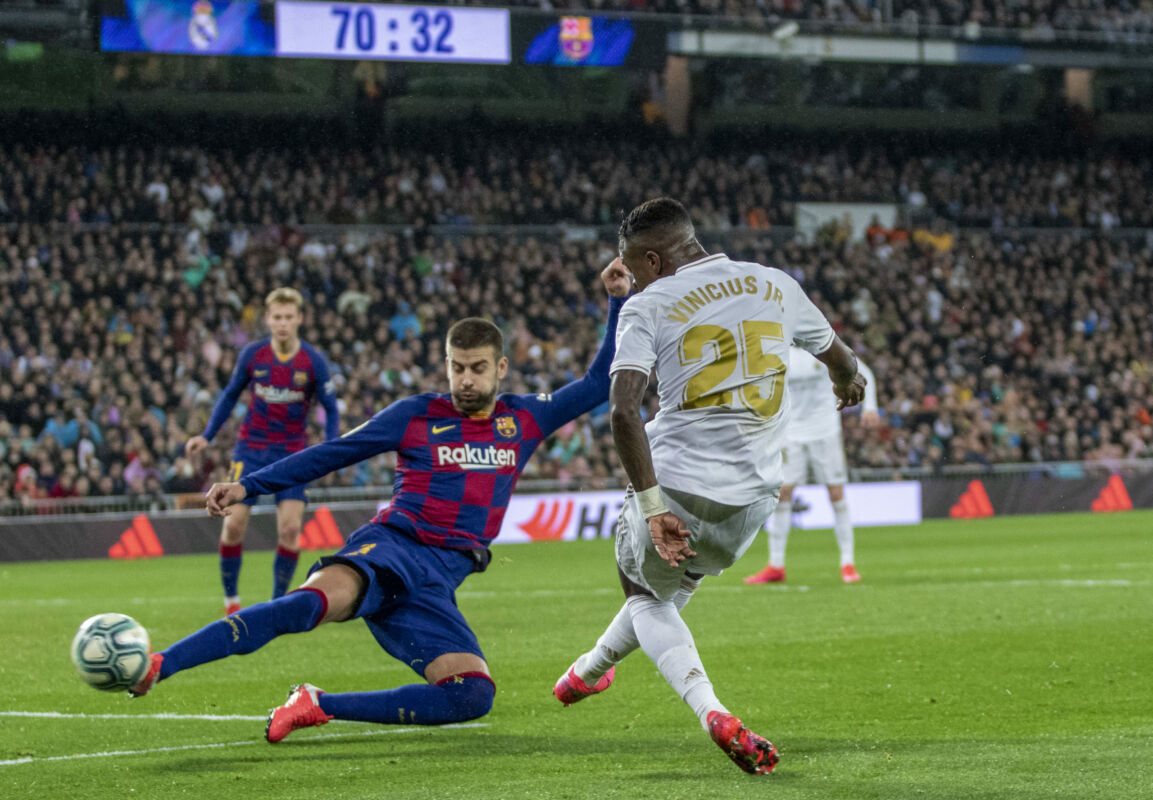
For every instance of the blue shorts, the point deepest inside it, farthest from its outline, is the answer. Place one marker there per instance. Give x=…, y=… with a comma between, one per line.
x=245, y=461
x=409, y=598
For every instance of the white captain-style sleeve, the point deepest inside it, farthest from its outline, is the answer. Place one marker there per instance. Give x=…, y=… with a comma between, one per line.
x=636, y=339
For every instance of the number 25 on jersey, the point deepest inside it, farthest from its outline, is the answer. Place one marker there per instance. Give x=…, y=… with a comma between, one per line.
x=744, y=351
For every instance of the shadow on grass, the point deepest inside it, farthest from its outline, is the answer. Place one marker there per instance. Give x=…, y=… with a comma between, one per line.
x=672, y=764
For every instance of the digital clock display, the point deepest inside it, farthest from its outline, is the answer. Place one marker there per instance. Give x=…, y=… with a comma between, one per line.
x=394, y=33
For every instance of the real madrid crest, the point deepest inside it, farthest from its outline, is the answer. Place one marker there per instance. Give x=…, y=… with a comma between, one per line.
x=506, y=426
x=202, y=31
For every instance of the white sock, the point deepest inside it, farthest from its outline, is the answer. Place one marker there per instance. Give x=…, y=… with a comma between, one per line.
x=669, y=643
x=779, y=524
x=685, y=592
x=615, y=643
x=843, y=528
x=619, y=639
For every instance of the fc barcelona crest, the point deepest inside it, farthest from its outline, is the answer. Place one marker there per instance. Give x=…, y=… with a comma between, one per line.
x=299, y=378
x=506, y=426
x=576, y=37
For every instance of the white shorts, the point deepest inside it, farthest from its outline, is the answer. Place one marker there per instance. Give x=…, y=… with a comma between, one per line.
x=720, y=535
x=823, y=458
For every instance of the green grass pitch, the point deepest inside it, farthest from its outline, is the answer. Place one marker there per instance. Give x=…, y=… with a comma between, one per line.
x=1001, y=658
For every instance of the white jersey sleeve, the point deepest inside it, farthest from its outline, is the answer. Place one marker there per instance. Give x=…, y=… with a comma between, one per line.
x=635, y=340
x=813, y=332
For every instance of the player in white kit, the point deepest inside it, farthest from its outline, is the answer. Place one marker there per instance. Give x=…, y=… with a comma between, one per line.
x=705, y=471
x=814, y=445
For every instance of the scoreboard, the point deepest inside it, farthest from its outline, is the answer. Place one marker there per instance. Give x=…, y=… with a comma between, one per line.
x=399, y=33
x=293, y=29
x=378, y=31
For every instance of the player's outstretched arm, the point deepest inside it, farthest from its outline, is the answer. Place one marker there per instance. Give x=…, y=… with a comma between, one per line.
x=380, y=434
x=669, y=534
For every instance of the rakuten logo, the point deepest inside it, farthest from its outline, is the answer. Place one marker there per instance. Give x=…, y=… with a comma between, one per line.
x=475, y=457
x=274, y=394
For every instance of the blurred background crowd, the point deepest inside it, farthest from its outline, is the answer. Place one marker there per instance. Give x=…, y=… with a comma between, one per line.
x=131, y=276
x=581, y=177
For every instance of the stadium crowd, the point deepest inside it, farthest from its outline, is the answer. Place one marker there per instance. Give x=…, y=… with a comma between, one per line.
x=566, y=177
x=129, y=279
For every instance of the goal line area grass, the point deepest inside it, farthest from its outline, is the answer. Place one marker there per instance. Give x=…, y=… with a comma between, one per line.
x=998, y=658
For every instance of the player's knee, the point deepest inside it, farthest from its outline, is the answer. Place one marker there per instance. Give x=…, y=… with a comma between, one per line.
x=289, y=534
x=470, y=695
x=233, y=531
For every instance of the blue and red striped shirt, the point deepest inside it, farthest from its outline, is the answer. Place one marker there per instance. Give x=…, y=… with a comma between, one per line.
x=455, y=474
x=281, y=393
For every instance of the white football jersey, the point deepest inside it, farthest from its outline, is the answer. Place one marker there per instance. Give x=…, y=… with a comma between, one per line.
x=718, y=333
x=813, y=413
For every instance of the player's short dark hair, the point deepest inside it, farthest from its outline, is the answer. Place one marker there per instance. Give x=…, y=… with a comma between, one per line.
x=660, y=213
x=473, y=332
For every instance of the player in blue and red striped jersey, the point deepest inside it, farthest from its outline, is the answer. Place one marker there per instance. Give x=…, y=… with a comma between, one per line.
x=284, y=376
x=458, y=458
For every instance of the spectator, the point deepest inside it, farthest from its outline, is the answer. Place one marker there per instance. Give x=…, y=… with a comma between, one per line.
x=404, y=322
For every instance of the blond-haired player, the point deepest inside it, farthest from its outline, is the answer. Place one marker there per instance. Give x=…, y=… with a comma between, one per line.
x=284, y=376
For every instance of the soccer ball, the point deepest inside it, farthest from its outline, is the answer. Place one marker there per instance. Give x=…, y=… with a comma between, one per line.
x=111, y=651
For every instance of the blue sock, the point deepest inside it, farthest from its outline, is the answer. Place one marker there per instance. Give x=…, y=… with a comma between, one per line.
x=283, y=568
x=455, y=699
x=230, y=557
x=246, y=631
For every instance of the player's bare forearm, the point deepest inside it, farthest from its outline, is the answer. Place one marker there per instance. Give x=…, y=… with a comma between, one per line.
x=625, y=398
x=841, y=361
x=669, y=534
x=848, y=382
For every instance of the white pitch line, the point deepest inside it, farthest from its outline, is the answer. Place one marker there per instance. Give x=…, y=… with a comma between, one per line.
x=217, y=745
x=990, y=570
x=61, y=715
x=1087, y=583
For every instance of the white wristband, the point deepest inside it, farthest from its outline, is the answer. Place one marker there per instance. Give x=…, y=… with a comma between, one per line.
x=651, y=502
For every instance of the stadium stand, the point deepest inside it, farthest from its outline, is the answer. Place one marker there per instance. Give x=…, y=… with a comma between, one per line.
x=130, y=276
x=496, y=178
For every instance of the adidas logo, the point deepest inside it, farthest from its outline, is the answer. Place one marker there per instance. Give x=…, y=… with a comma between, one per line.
x=321, y=532
x=549, y=521
x=973, y=503
x=139, y=541
x=1114, y=497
